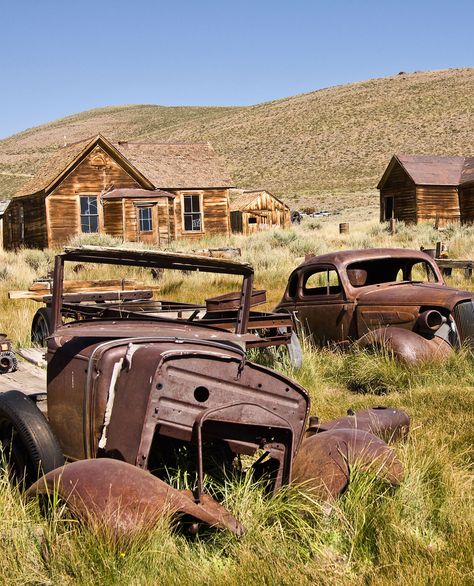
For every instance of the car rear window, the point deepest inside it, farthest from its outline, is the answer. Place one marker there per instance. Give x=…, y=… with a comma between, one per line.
x=390, y=270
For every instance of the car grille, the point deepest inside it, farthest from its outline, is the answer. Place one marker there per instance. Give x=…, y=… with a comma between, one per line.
x=464, y=318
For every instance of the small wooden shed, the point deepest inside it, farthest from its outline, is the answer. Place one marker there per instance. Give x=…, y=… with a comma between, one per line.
x=252, y=210
x=466, y=192
x=417, y=188
x=163, y=191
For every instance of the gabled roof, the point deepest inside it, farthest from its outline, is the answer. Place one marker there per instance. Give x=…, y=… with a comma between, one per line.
x=153, y=165
x=64, y=160
x=177, y=165
x=241, y=199
x=428, y=169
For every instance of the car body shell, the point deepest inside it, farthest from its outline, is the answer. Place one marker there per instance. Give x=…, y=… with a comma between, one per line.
x=347, y=312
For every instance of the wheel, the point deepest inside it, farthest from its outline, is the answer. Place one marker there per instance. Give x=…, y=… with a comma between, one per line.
x=41, y=326
x=30, y=448
x=8, y=362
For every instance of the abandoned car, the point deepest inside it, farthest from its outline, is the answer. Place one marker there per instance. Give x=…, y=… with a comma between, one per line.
x=394, y=298
x=131, y=396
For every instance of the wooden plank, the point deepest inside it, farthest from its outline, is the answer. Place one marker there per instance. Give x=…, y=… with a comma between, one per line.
x=40, y=289
x=34, y=356
x=28, y=378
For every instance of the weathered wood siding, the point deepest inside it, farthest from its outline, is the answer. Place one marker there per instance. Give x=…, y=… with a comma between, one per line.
x=438, y=203
x=96, y=172
x=162, y=212
x=466, y=204
x=267, y=212
x=403, y=190
x=215, y=213
x=113, y=217
x=30, y=213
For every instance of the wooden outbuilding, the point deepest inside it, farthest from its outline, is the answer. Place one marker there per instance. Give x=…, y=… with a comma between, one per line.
x=418, y=188
x=257, y=209
x=151, y=192
x=466, y=192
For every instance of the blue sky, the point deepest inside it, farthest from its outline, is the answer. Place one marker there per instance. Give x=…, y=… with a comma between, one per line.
x=62, y=57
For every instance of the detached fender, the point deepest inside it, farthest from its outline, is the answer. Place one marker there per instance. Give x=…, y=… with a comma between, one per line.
x=405, y=345
x=325, y=460
x=123, y=501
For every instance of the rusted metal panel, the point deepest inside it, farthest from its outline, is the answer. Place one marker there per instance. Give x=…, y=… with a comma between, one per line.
x=325, y=461
x=122, y=502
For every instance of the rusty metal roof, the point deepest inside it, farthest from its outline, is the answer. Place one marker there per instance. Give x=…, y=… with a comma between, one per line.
x=433, y=169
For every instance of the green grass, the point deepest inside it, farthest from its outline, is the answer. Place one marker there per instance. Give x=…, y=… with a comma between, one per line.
x=420, y=533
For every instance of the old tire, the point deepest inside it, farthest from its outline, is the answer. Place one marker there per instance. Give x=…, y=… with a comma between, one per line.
x=29, y=445
x=41, y=326
x=8, y=362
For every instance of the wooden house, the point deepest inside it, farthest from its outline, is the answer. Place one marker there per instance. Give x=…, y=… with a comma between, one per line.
x=257, y=209
x=417, y=188
x=152, y=192
x=466, y=192
x=3, y=209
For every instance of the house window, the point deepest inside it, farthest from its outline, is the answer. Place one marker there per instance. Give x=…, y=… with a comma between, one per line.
x=145, y=219
x=192, y=214
x=89, y=214
x=252, y=220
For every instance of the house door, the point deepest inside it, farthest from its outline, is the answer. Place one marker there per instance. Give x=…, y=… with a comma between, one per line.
x=147, y=224
x=389, y=208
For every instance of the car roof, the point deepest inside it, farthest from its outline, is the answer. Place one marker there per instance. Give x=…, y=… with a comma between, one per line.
x=345, y=257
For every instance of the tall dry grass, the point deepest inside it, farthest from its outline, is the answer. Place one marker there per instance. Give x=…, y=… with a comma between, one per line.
x=420, y=533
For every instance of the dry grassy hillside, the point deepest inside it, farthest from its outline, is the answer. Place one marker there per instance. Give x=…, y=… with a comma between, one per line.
x=326, y=148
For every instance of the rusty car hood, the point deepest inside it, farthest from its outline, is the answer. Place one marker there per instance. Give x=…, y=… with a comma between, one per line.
x=395, y=294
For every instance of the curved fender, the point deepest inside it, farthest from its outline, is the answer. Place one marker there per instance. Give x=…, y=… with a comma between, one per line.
x=122, y=500
x=407, y=346
x=386, y=423
x=324, y=460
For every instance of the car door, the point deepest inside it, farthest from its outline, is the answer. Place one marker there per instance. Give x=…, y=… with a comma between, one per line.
x=321, y=305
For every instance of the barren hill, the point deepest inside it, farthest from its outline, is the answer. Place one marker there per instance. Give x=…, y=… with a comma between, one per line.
x=327, y=148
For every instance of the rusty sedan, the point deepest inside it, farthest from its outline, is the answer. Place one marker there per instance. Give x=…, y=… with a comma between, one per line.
x=388, y=297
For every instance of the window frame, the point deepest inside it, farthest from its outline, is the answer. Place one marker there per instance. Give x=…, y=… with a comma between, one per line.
x=148, y=207
x=81, y=215
x=184, y=214
x=340, y=295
